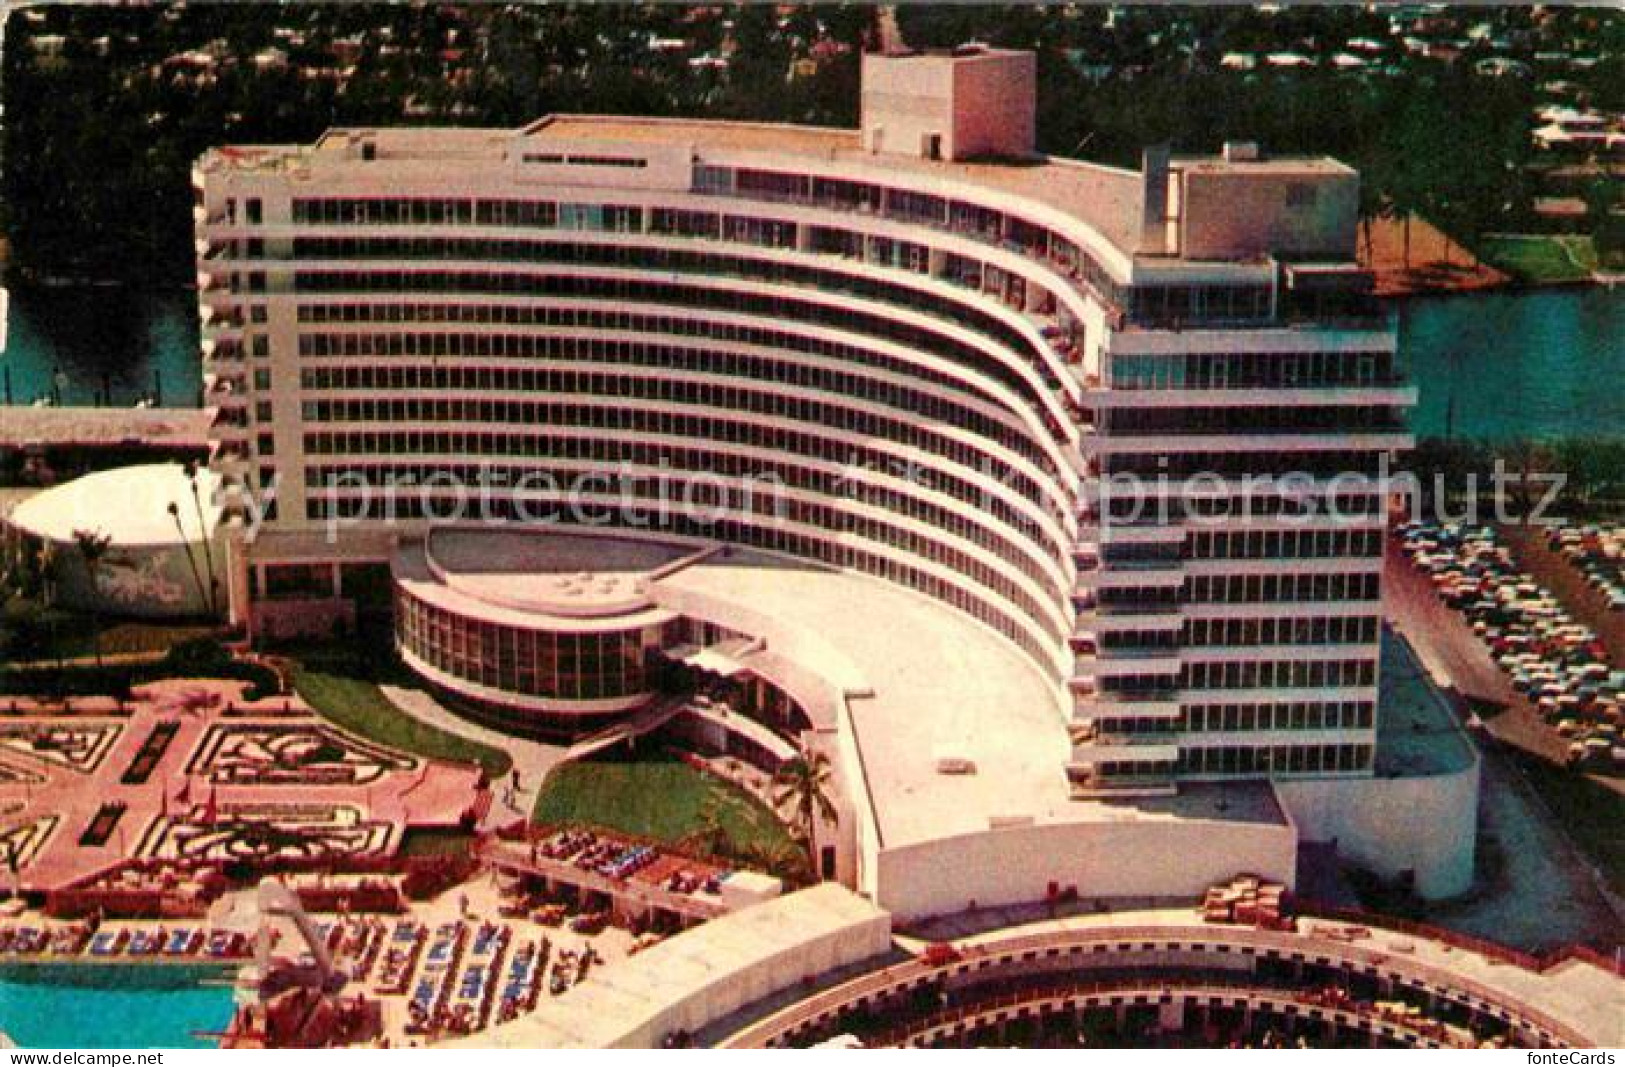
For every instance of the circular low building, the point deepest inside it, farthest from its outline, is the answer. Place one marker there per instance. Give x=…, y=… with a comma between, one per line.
x=536, y=634
x=158, y=562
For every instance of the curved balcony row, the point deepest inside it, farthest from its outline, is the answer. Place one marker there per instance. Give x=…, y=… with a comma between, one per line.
x=340, y=365
x=800, y=348
x=948, y=295
x=998, y=549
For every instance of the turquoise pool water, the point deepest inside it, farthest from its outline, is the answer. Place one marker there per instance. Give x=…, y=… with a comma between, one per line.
x=125, y=1006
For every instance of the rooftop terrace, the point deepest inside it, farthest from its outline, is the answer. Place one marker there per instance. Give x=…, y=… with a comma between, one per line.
x=1108, y=199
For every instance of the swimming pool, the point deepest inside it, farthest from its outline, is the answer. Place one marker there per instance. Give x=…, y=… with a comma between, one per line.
x=85, y=1005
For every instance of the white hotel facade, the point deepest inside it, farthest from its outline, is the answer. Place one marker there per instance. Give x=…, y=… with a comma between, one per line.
x=920, y=359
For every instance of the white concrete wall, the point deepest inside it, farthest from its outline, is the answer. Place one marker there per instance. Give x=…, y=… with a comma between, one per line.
x=137, y=581
x=978, y=104
x=995, y=105
x=906, y=99
x=1153, y=858
x=690, y=981
x=1238, y=212
x=1392, y=825
x=664, y=166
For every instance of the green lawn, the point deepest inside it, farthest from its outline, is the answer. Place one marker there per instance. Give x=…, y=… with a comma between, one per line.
x=1540, y=258
x=655, y=796
x=359, y=707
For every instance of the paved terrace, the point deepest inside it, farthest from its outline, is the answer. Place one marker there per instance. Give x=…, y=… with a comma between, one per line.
x=272, y=762
x=153, y=428
x=1417, y=732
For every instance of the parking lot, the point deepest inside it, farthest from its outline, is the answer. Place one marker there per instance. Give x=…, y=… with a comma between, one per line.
x=1558, y=664
x=1576, y=565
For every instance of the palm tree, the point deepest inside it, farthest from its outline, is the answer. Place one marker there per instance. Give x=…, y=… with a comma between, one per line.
x=1526, y=458
x=203, y=532
x=191, y=560
x=780, y=858
x=802, y=786
x=92, y=547
x=1373, y=206
x=710, y=836
x=49, y=593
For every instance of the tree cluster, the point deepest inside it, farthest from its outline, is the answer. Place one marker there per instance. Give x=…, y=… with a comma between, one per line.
x=108, y=107
x=102, y=128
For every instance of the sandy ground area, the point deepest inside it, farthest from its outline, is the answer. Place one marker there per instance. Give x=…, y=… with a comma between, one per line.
x=1436, y=263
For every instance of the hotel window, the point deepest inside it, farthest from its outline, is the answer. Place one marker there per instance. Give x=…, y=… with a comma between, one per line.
x=713, y=180
x=608, y=218
x=771, y=185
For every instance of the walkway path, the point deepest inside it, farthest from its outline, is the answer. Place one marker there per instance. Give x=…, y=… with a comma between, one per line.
x=627, y=730
x=531, y=759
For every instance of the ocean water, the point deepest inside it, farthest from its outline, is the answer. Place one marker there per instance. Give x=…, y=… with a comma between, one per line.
x=81, y=1005
x=85, y=342
x=1539, y=364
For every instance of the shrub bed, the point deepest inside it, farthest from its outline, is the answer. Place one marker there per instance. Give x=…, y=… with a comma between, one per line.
x=200, y=658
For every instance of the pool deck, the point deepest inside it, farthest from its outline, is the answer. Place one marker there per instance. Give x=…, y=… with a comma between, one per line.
x=468, y=904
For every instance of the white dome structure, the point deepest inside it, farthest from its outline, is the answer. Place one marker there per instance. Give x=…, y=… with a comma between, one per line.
x=156, y=564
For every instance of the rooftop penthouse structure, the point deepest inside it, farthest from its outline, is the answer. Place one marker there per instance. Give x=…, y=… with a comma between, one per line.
x=1038, y=411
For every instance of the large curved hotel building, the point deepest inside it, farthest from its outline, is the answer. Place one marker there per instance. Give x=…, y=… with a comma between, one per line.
x=967, y=460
